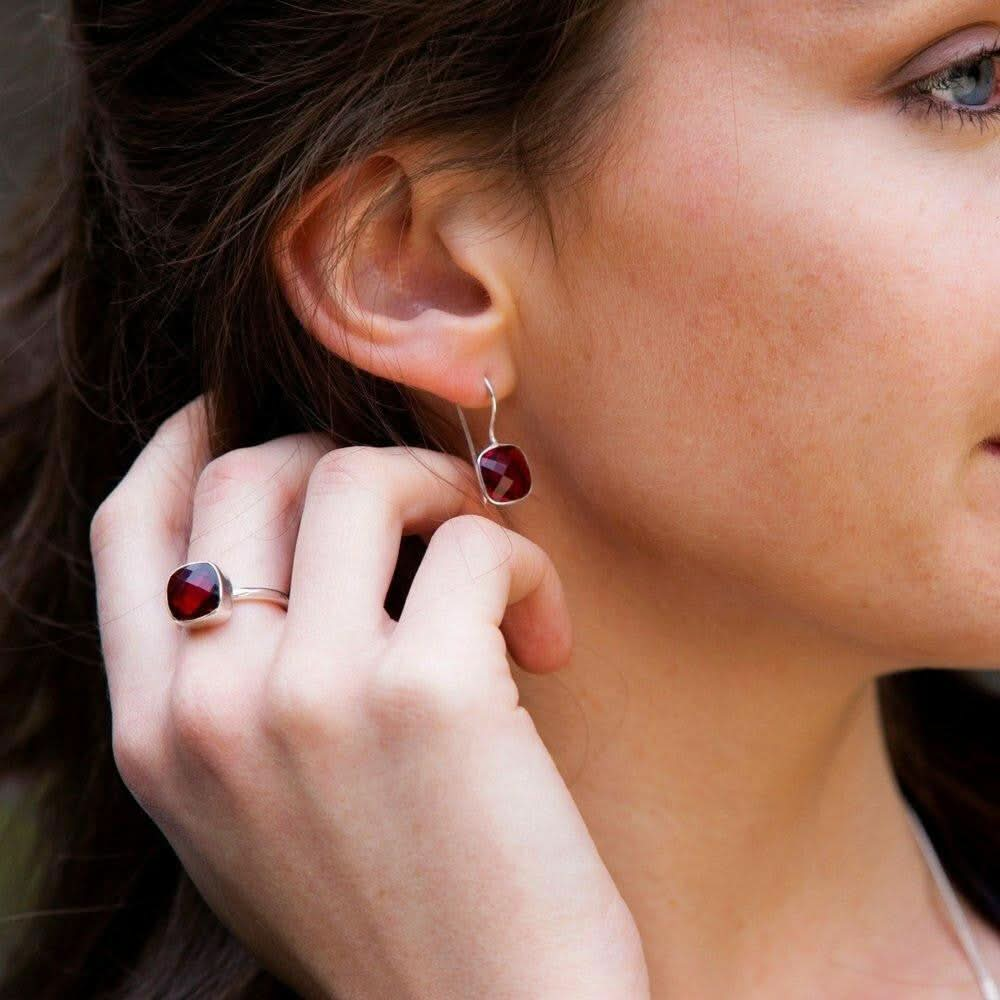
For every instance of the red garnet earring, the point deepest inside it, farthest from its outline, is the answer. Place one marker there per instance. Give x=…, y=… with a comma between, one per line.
x=504, y=476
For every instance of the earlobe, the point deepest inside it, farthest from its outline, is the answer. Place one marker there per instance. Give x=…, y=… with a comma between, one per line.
x=423, y=298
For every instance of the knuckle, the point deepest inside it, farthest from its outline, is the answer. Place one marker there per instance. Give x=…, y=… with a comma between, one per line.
x=228, y=475
x=476, y=526
x=484, y=544
x=302, y=710
x=139, y=759
x=206, y=723
x=193, y=413
x=409, y=698
x=104, y=522
x=355, y=465
x=292, y=709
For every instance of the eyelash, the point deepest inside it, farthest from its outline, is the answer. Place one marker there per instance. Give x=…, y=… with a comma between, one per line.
x=914, y=93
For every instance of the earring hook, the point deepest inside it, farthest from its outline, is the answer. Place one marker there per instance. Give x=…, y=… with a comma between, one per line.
x=493, y=409
x=493, y=415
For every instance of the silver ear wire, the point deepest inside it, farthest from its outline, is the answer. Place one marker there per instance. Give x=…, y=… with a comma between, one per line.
x=493, y=408
x=473, y=454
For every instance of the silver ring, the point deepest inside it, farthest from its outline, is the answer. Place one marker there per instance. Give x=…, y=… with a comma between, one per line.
x=199, y=593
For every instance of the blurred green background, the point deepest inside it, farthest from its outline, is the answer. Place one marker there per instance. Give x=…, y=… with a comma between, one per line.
x=15, y=840
x=31, y=100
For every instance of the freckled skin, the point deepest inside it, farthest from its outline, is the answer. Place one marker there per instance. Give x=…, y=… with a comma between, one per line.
x=775, y=349
x=753, y=387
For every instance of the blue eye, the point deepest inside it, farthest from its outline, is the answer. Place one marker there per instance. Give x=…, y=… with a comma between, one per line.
x=962, y=90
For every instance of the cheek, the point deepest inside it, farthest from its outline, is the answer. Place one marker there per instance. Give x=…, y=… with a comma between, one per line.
x=798, y=354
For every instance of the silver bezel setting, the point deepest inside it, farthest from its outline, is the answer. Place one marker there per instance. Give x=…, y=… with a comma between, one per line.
x=225, y=607
x=479, y=472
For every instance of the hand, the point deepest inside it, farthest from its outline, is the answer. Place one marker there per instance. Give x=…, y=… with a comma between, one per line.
x=362, y=801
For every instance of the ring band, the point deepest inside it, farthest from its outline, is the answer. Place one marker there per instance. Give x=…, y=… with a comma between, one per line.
x=199, y=593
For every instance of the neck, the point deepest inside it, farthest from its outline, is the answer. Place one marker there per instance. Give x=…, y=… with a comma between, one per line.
x=730, y=765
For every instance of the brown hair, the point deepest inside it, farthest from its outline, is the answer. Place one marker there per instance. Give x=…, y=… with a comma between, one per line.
x=195, y=127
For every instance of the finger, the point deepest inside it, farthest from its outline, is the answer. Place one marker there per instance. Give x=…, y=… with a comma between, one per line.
x=245, y=519
x=476, y=570
x=139, y=534
x=246, y=509
x=359, y=503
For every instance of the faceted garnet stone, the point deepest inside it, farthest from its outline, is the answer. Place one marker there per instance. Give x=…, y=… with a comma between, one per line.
x=505, y=472
x=193, y=591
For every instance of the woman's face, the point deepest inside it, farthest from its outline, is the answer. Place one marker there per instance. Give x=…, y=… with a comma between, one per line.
x=773, y=345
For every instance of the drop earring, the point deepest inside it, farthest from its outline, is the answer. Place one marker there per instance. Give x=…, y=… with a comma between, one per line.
x=504, y=476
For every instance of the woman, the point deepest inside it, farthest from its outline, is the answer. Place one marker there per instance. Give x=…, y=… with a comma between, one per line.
x=639, y=710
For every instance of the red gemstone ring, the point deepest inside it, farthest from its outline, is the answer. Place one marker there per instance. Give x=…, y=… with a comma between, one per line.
x=199, y=593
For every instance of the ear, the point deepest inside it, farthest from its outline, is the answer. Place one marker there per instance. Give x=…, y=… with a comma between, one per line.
x=425, y=299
